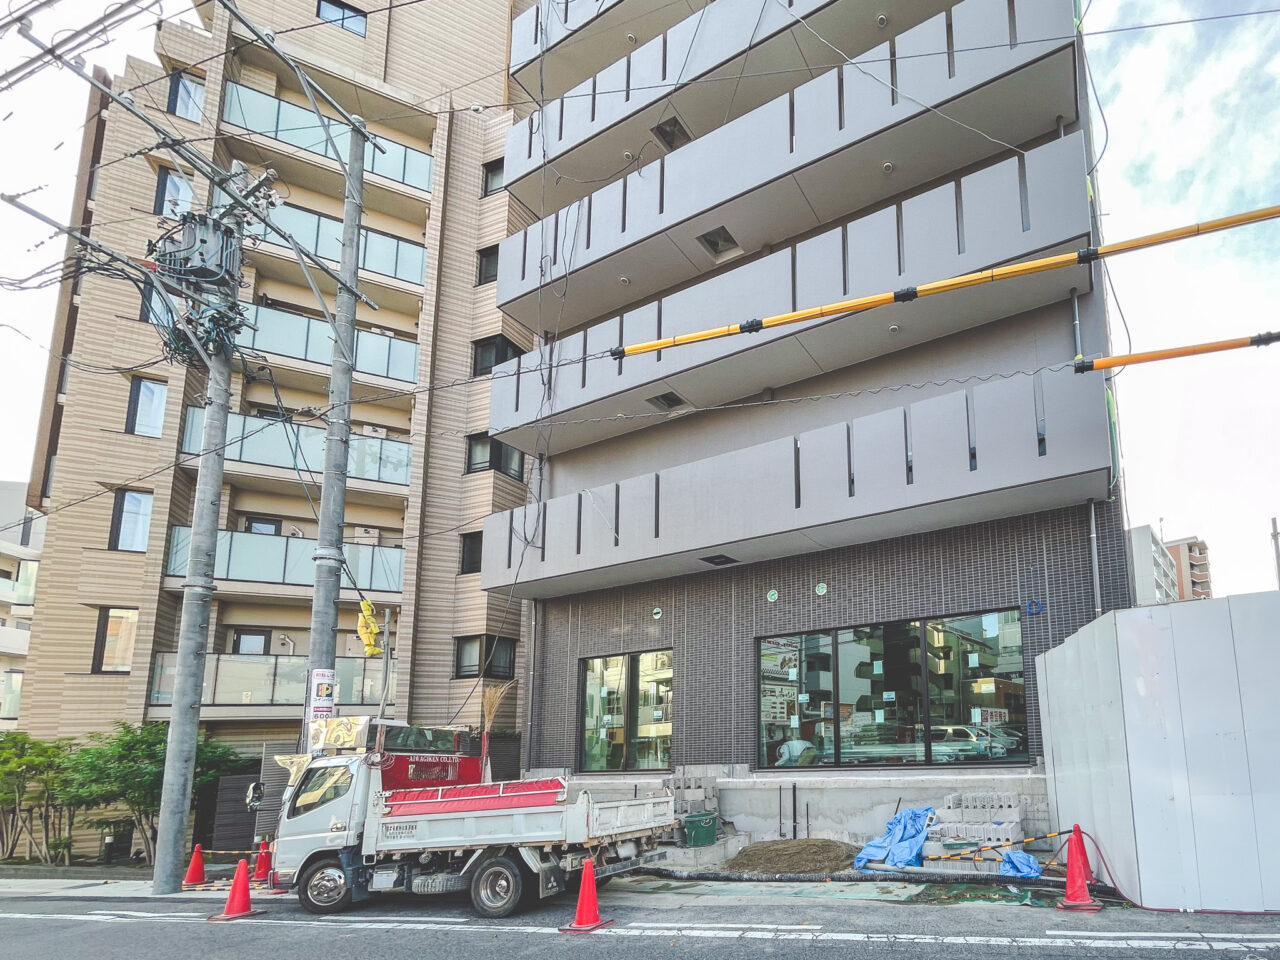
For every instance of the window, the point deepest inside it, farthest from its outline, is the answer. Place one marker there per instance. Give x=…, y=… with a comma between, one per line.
x=626, y=712
x=486, y=655
x=186, y=96
x=146, y=407
x=154, y=309
x=320, y=785
x=348, y=18
x=471, y=551
x=251, y=640
x=10, y=694
x=493, y=177
x=267, y=525
x=113, y=651
x=130, y=521
x=491, y=352
x=486, y=454
x=487, y=265
x=947, y=690
x=174, y=193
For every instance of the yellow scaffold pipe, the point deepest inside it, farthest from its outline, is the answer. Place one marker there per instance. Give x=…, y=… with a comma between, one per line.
x=1106, y=363
x=1009, y=272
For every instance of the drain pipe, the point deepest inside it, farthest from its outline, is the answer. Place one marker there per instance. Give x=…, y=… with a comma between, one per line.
x=1093, y=556
x=1075, y=321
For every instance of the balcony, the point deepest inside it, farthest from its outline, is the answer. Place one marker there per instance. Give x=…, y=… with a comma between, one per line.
x=14, y=641
x=307, y=338
x=380, y=253
x=1005, y=212
x=298, y=127
x=286, y=561
x=575, y=38
x=17, y=593
x=691, y=73
x=802, y=160
x=247, y=684
x=1002, y=448
x=10, y=697
x=278, y=443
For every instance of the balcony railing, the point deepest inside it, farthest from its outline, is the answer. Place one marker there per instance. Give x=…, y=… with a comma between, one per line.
x=298, y=126
x=241, y=680
x=308, y=338
x=379, y=252
x=278, y=443
x=263, y=558
x=10, y=694
x=18, y=592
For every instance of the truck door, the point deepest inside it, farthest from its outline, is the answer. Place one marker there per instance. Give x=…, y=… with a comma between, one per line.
x=323, y=811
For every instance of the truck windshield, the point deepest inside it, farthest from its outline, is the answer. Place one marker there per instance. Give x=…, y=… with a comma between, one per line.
x=319, y=786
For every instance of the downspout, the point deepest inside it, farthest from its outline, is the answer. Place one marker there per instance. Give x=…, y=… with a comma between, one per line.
x=1075, y=321
x=1093, y=556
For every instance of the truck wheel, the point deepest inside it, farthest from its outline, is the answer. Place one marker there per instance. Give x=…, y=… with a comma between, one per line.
x=497, y=888
x=324, y=888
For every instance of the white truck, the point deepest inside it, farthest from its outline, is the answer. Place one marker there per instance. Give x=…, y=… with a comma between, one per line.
x=342, y=837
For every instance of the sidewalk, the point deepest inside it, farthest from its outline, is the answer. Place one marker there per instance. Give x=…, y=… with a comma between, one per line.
x=78, y=888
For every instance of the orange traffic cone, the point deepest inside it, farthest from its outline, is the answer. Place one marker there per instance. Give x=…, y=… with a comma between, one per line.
x=262, y=865
x=238, y=899
x=588, y=916
x=195, y=872
x=1078, y=897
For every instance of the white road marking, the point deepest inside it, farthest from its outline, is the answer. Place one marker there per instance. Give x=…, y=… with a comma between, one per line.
x=1137, y=943
x=147, y=913
x=1151, y=933
x=736, y=926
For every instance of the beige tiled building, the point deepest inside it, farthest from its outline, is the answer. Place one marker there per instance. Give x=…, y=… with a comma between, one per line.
x=431, y=81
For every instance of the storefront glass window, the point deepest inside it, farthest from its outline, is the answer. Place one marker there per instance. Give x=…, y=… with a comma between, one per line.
x=626, y=712
x=937, y=691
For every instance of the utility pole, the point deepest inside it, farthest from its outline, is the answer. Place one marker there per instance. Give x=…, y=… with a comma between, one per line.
x=329, y=557
x=1275, y=545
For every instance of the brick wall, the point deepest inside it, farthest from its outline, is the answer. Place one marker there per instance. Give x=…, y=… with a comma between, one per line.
x=712, y=620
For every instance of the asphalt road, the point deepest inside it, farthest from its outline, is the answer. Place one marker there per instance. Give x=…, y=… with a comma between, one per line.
x=649, y=917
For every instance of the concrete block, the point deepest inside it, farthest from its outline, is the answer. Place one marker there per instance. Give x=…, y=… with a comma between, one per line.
x=695, y=793
x=953, y=801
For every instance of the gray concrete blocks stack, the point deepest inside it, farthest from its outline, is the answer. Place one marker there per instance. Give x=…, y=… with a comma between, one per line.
x=695, y=791
x=977, y=819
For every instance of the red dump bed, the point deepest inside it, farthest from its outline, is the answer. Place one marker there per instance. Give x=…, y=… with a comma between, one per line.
x=474, y=797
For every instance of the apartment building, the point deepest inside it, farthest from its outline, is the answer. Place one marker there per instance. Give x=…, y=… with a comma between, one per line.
x=1191, y=560
x=1155, y=576
x=21, y=537
x=429, y=80
x=830, y=548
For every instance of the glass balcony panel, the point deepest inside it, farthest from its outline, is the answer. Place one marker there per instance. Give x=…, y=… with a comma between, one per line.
x=268, y=442
x=291, y=680
x=372, y=352
x=244, y=679
x=329, y=238
x=387, y=569
x=222, y=555
x=350, y=673
x=319, y=341
x=341, y=142
x=179, y=548
x=391, y=163
x=193, y=430
x=362, y=457
x=417, y=169
x=256, y=556
x=299, y=565
x=372, y=690
x=393, y=466
x=250, y=109
x=359, y=562
x=10, y=694
x=379, y=253
x=163, y=670
x=281, y=332
x=300, y=127
x=411, y=263
x=301, y=223
x=402, y=360
x=310, y=448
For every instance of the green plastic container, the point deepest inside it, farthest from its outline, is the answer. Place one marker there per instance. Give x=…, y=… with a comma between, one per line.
x=700, y=829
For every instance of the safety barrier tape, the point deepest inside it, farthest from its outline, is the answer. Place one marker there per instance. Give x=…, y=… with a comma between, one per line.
x=968, y=854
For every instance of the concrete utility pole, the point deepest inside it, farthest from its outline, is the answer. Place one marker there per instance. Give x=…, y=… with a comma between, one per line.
x=333, y=490
x=1275, y=545
x=197, y=588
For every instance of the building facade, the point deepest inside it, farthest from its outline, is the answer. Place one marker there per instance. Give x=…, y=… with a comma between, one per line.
x=1155, y=572
x=1191, y=560
x=828, y=548
x=21, y=538
x=114, y=467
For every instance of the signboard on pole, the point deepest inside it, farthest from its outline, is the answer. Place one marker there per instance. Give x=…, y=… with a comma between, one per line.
x=320, y=694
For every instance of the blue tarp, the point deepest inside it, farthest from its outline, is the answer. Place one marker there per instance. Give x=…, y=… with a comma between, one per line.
x=904, y=835
x=1019, y=864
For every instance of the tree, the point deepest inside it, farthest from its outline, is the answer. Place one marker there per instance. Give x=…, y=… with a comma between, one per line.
x=33, y=796
x=126, y=768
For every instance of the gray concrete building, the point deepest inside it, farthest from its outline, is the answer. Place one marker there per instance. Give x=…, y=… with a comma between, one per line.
x=828, y=552
x=1155, y=572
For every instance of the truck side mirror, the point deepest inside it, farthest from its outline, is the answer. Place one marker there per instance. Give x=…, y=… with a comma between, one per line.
x=253, y=796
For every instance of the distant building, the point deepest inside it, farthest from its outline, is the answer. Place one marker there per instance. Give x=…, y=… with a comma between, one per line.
x=1191, y=560
x=21, y=537
x=1155, y=572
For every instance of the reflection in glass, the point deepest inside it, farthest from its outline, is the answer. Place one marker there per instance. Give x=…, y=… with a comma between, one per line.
x=650, y=747
x=603, y=722
x=880, y=694
x=978, y=705
x=796, y=701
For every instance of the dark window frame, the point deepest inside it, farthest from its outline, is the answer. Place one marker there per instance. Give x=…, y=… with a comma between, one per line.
x=239, y=632
x=251, y=519
x=501, y=458
x=486, y=256
x=100, y=641
x=161, y=208
x=484, y=668
x=131, y=414
x=349, y=14
x=629, y=716
x=504, y=349
x=926, y=721
x=117, y=518
x=487, y=169
x=473, y=537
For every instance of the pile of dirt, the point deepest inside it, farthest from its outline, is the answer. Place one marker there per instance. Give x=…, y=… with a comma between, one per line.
x=793, y=856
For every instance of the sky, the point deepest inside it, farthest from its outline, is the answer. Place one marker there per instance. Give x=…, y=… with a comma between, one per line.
x=1191, y=112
